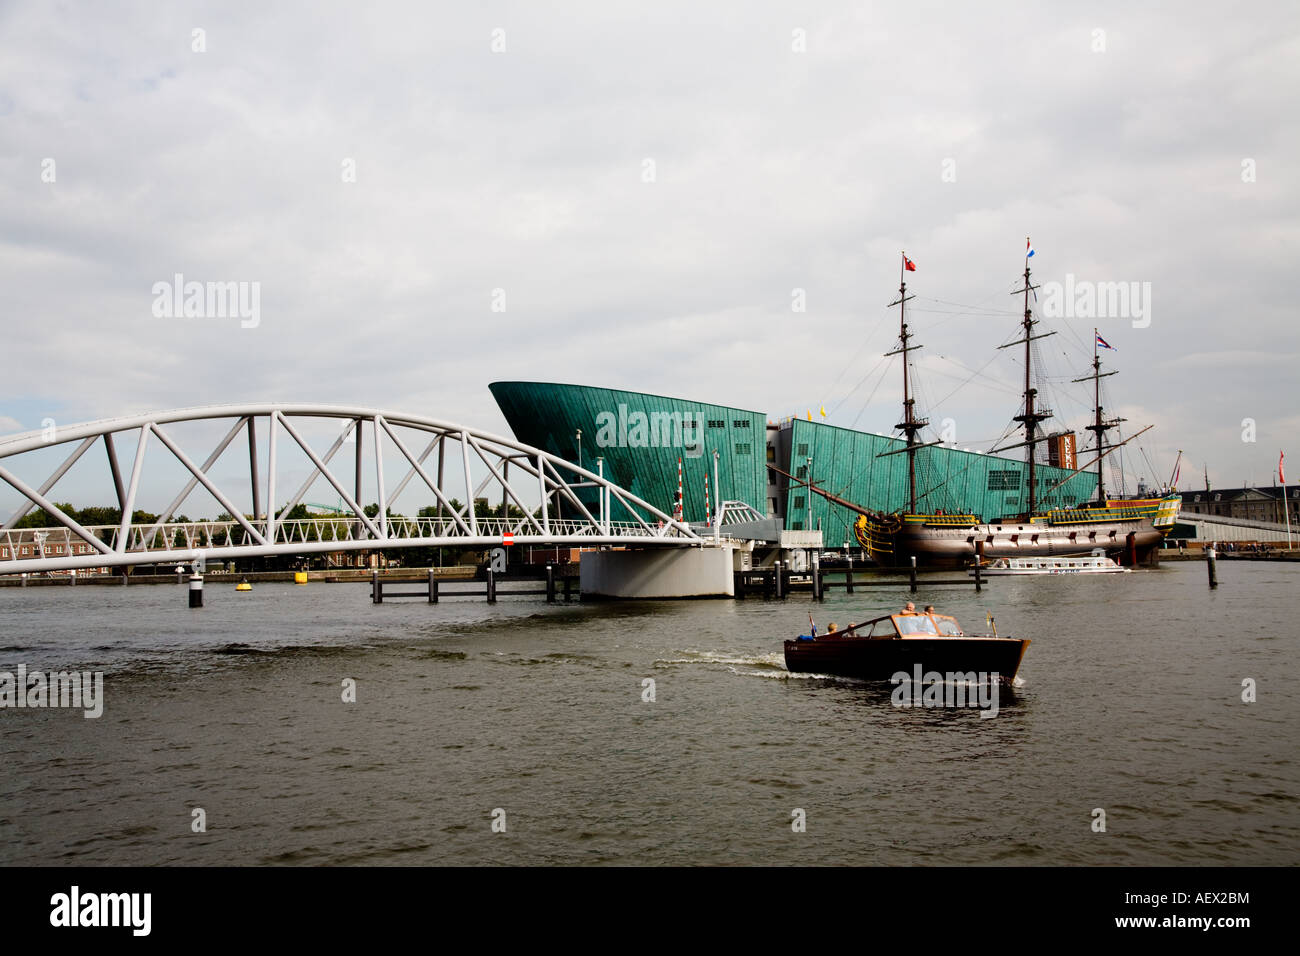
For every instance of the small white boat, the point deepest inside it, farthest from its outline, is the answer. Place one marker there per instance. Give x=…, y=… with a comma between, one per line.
x=1073, y=564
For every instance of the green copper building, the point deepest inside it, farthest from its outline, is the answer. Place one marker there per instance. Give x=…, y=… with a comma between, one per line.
x=642, y=438
x=866, y=469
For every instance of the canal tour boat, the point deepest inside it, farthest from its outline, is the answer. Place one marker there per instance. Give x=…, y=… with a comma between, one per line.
x=1078, y=564
x=882, y=647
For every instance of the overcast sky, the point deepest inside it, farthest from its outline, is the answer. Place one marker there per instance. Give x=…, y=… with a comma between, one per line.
x=793, y=146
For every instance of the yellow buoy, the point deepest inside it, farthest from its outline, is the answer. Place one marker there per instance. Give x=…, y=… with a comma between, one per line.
x=300, y=577
x=243, y=586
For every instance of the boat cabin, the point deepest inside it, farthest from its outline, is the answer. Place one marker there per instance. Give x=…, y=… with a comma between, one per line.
x=891, y=626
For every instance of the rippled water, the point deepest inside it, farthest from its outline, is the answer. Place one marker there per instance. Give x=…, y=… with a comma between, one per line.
x=1131, y=702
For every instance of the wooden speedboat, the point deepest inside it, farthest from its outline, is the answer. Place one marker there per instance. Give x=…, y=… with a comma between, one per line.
x=1061, y=564
x=904, y=643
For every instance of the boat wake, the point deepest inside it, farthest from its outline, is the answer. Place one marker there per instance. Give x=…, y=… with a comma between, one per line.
x=783, y=674
x=774, y=660
x=769, y=666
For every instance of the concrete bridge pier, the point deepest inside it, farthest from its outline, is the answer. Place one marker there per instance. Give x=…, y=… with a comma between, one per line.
x=659, y=572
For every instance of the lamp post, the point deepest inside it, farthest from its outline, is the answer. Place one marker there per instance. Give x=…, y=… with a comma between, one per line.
x=717, y=513
x=580, y=447
x=600, y=492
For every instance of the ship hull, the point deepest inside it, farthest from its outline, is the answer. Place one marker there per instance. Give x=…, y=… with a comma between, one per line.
x=1128, y=543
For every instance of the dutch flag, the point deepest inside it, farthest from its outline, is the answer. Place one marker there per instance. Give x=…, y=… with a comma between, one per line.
x=1029, y=249
x=1104, y=344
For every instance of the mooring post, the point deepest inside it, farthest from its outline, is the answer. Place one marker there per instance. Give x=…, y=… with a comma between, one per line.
x=491, y=586
x=912, y=574
x=72, y=578
x=978, y=567
x=196, y=590
x=780, y=581
x=1212, y=564
x=550, y=584
x=848, y=576
x=24, y=579
x=376, y=588
x=433, y=587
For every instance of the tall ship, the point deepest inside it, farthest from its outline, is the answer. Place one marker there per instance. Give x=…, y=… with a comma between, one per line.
x=1125, y=529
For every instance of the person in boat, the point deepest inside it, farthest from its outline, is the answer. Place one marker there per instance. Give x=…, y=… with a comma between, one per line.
x=908, y=608
x=831, y=628
x=929, y=609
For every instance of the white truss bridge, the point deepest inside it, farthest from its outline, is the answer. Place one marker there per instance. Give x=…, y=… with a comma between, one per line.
x=440, y=461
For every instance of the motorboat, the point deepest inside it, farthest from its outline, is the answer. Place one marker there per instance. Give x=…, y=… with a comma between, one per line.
x=907, y=643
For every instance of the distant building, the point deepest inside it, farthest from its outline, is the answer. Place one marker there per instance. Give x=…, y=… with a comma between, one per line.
x=1254, y=504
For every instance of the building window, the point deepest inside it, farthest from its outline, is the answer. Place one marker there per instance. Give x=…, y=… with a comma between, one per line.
x=802, y=473
x=771, y=453
x=798, y=501
x=1000, y=480
x=744, y=448
x=741, y=423
x=803, y=451
x=797, y=526
x=717, y=423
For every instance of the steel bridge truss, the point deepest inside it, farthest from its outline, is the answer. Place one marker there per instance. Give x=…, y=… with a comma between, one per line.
x=535, y=490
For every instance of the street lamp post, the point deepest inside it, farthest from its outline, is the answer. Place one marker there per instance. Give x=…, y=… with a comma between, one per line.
x=600, y=492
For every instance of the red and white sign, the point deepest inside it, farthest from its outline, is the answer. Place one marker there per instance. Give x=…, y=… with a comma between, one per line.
x=508, y=538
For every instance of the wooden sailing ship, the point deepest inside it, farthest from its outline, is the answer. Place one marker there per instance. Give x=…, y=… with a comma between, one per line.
x=1125, y=529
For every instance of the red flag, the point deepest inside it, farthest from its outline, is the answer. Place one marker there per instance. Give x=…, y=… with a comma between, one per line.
x=1280, y=476
x=908, y=264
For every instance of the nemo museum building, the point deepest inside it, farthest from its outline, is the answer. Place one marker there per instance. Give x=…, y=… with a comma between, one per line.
x=646, y=441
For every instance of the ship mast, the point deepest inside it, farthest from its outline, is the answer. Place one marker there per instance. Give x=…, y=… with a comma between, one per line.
x=1100, y=424
x=910, y=424
x=1031, y=416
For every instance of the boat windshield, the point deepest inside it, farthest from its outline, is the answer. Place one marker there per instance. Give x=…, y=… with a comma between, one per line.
x=914, y=624
x=947, y=625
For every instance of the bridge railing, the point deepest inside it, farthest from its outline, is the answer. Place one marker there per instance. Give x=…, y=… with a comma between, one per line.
x=215, y=536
